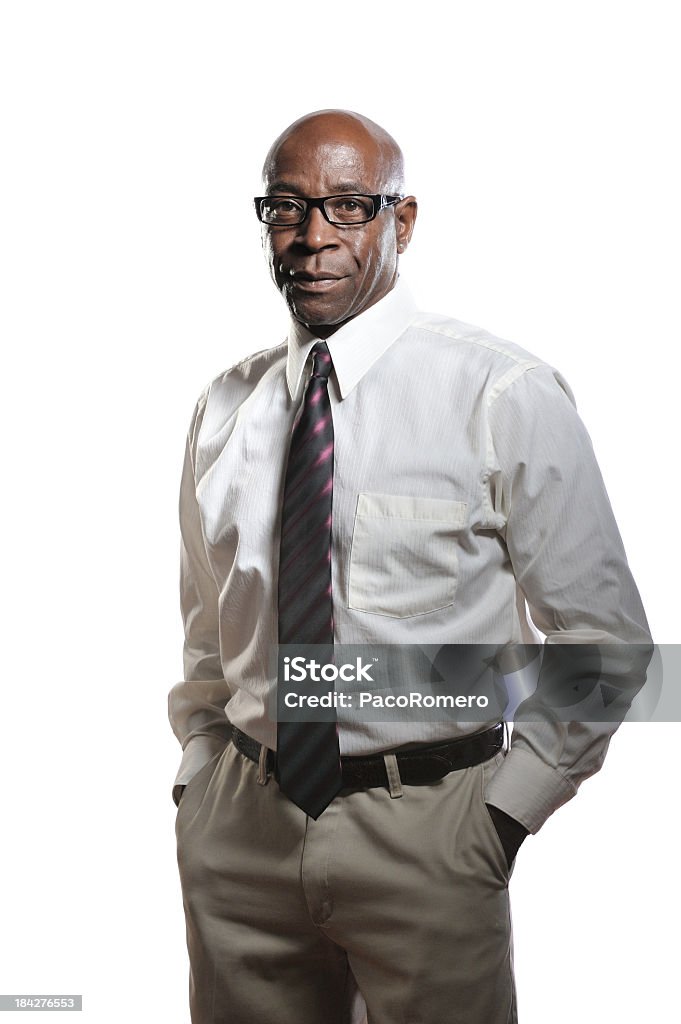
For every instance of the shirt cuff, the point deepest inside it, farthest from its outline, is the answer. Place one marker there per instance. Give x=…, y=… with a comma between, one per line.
x=198, y=752
x=528, y=789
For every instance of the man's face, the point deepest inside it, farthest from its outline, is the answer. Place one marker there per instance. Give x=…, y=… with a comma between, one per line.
x=326, y=273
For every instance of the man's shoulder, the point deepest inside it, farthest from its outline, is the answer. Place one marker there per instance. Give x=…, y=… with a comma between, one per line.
x=477, y=355
x=250, y=369
x=488, y=346
x=242, y=377
x=225, y=393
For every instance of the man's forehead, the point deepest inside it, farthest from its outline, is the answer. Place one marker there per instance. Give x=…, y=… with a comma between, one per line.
x=329, y=185
x=341, y=163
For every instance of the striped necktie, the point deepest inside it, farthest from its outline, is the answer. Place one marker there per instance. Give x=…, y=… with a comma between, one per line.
x=308, y=755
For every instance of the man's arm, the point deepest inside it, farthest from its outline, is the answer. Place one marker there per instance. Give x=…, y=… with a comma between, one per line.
x=567, y=556
x=196, y=706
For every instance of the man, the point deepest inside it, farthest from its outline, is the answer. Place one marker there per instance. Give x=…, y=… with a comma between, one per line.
x=384, y=477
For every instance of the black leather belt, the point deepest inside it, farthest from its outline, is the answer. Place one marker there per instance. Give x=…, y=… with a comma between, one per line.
x=417, y=765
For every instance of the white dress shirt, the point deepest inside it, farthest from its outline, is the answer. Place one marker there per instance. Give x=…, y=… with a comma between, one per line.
x=465, y=489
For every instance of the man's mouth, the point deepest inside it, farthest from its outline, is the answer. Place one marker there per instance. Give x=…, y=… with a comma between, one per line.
x=318, y=282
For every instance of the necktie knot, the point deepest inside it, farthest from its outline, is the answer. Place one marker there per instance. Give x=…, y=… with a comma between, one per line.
x=321, y=361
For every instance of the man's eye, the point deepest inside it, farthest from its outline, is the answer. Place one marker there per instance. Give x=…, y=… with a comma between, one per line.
x=283, y=209
x=351, y=209
x=284, y=206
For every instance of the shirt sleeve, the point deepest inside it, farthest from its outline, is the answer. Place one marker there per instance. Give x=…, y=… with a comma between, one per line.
x=196, y=706
x=570, y=565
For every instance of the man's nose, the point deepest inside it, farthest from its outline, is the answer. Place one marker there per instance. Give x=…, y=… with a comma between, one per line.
x=315, y=232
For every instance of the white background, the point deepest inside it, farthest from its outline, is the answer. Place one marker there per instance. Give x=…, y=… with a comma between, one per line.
x=542, y=142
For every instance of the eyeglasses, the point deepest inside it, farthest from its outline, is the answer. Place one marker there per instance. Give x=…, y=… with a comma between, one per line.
x=345, y=210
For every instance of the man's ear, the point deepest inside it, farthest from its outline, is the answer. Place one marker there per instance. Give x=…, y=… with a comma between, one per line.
x=405, y=218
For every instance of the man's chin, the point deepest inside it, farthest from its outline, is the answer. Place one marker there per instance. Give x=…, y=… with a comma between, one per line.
x=315, y=313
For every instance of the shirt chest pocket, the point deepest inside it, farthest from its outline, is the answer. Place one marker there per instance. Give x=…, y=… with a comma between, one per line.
x=403, y=558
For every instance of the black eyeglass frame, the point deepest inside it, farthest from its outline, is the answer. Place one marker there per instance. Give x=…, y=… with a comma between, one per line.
x=380, y=202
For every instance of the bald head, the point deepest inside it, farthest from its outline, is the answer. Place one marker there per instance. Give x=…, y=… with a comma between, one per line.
x=344, y=130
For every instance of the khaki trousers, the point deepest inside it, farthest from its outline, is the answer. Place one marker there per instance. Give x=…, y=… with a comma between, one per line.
x=408, y=895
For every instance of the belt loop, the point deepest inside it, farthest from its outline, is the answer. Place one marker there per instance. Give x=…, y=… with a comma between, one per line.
x=262, y=766
x=393, y=772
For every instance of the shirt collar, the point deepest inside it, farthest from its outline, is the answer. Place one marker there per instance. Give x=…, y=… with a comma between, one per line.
x=356, y=345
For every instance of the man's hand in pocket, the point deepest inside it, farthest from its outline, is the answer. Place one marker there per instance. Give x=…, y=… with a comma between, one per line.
x=510, y=832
